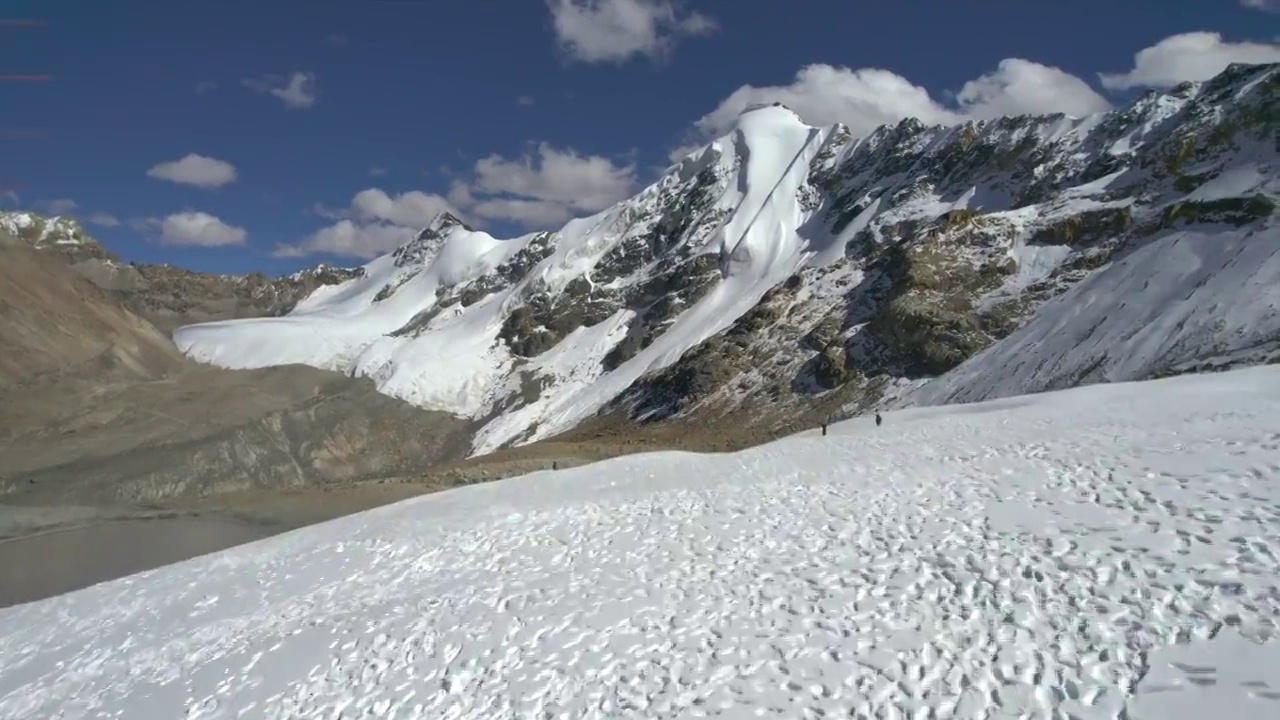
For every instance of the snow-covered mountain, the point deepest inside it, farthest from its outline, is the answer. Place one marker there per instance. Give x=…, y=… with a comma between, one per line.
x=1102, y=552
x=797, y=270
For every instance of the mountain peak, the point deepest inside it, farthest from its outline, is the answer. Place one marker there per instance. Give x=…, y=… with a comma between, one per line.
x=771, y=113
x=784, y=263
x=60, y=233
x=426, y=245
x=445, y=221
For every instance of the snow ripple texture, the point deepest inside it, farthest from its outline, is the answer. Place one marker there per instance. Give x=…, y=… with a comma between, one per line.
x=1105, y=552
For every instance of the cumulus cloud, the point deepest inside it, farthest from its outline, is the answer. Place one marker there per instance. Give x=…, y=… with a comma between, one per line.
x=195, y=228
x=539, y=190
x=196, y=170
x=1022, y=87
x=414, y=208
x=562, y=177
x=104, y=219
x=867, y=98
x=595, y=31
x=542, y=189
x=1271, y=5
x=296, y=91
x=530, y=213
x=62, y=206
x=350, y=239
x=374, y=222
x=1193, y=56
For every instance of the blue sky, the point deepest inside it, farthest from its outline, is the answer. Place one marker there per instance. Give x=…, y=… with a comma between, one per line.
x=327, y=130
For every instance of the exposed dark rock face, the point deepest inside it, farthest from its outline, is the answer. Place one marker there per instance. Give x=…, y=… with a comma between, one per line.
x=909, y=251
x=928, y=290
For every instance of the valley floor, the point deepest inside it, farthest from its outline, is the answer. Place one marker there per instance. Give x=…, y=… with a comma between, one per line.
x=1110, y=551
x=42, y=537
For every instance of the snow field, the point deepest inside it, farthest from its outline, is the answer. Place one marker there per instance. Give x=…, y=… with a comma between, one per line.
x=1105, y=552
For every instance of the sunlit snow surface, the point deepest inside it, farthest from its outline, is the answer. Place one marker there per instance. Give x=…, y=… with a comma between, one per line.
x=1106, y=550
x=462, y=367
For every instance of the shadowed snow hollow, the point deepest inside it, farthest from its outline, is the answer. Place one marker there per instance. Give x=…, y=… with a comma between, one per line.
x=1103, y=552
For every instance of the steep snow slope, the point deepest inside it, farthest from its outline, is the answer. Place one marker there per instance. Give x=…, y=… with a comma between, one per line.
x=785, y=272
x=392, y=325
x=1103, y=552
x=1192, y=299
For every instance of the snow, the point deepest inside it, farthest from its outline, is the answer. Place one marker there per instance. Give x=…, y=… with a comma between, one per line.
x=462, y=367
x=1036, y=262
x=1110, y=551
x=343, y=327
x=1191, y=293
x=1239, y=181
x=759, y=248
x=778, y=181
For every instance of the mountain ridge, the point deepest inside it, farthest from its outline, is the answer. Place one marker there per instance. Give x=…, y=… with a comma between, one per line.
x=98, y=407
x=165, y=294
x=785, y=272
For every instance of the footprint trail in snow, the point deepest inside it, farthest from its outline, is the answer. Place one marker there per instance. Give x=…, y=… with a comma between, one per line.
x=1105, y=552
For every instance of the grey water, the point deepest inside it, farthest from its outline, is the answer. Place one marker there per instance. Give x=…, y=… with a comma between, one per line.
x=42, y=566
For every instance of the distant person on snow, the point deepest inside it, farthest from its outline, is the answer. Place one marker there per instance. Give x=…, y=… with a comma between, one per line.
x=878, y=419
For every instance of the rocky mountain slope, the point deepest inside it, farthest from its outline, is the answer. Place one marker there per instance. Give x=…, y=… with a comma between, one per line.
x=53, y=322
x=98, y=406
x=167, y=295
x=786, y=270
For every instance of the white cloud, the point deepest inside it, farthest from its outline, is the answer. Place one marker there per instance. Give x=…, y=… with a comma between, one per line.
x=1271, y=5
x=362, y=240
x=867, y=98
x=377, y=171
x=297, y=91
x=577, y=182
x=1193, y=56
x=460, y=194
x=530, y=213
x=536, y=192
x=62, y=206
x=104, y=219
x=1022, y=87
x=615, y=30
x=374, y=223
x=205, y=86
x=197, y=228
x=197, y=170
x=411, y=209
x=524, y=100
